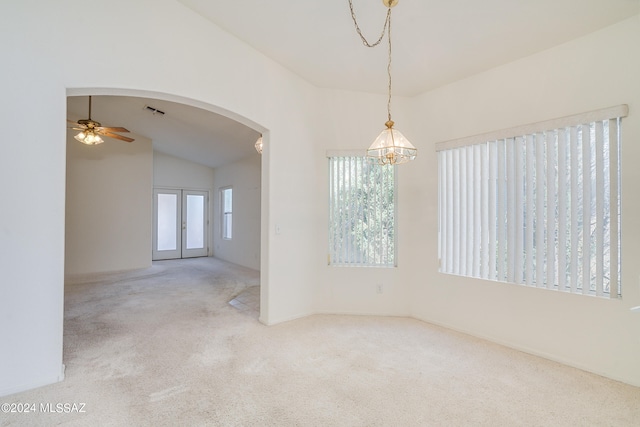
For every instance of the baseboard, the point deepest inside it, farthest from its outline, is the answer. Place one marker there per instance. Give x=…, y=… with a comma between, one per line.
x=529, y=350
x=364, y=313
x=285, y=319
x=329, y=313
x=35, y=384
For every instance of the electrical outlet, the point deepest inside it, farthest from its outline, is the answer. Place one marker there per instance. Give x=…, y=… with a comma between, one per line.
x=379, y=288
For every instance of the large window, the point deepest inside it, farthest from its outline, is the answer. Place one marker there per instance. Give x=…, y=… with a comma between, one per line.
x=362, y=205
x=538, y=205
x=226, y=203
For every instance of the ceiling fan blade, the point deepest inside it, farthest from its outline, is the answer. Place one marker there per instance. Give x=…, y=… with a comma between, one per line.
x=109, y=129
x=116, y=136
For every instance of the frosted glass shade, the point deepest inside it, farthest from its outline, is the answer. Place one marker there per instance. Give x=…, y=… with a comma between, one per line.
x=391, y=147
x=259, y=145
x=89, y=138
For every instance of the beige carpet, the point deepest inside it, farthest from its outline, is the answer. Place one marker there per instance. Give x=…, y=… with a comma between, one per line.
x=163, y=347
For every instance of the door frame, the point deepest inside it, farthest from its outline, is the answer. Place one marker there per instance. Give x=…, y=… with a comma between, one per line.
x=181, y=250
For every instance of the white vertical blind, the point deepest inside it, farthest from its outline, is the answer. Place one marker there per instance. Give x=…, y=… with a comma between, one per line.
x=477, y=208
x=462, y=165
x=538, y=183
x=563, y=202
x=536, y=205
x=550, y=224
x=614, y=206
x=530, y=210
x=471, y=208
x=361, y=212
x=586, y=208
x=493, y=161
x=600, y=212
x=501, y=211
x=518, y=209
x=575, y=207
x=456, y=212
x=484, y=242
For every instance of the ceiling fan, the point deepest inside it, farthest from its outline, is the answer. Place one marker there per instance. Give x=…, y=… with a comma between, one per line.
x=90, y=131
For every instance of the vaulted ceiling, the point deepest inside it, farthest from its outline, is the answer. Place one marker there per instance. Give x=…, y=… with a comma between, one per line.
x=179, y=130
x=435, y=42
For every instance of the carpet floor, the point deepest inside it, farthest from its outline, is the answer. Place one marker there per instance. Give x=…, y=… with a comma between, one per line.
x=166, y=347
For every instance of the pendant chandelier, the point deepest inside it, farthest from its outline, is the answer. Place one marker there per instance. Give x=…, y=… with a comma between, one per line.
x=390, y=147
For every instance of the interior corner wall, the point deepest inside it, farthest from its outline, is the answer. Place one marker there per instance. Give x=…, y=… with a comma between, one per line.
x=244, y=178
x=108, y=206
x=596, y=334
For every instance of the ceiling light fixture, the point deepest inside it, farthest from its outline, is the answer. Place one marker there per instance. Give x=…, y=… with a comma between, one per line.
x=89, y=137
x=259, y=145
x=390, y=147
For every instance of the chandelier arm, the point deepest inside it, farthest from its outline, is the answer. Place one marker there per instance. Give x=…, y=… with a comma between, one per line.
x=362, y=37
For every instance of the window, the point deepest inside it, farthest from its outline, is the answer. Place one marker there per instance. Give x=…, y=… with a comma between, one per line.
x=538, y=205
x=226, y=203
x=362, y=205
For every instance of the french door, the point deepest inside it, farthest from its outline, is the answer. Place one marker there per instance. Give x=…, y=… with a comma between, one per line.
x=180, y=224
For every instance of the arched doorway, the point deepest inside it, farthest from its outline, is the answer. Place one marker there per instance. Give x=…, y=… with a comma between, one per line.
x=193, y=110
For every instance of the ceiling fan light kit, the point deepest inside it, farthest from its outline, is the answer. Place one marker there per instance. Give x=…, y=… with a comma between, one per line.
x=90, y=131
x=391, y=147
x=89, y=138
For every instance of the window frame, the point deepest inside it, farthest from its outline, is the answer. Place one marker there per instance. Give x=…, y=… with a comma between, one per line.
x=350, y=253
x=226, y=216
x=464, y=168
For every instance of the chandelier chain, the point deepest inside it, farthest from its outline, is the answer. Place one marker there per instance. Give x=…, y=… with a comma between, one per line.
x=362, y=37
x=389, y=64
x=385, y=29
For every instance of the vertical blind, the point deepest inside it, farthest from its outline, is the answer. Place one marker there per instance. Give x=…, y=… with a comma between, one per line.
x=537, y=205
x=361, y=211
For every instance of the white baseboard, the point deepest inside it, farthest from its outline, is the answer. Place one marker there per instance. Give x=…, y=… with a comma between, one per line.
x=34, y=384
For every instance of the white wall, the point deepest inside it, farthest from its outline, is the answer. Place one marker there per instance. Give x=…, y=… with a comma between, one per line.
x=243, y=177
x=352, y=121
x=173, y=172
x=108, y=206
x=44, y=61
x=597, y=334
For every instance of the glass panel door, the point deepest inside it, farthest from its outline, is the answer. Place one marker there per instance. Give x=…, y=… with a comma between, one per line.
x=167, y=207
x=180, y=224
x=194, y=223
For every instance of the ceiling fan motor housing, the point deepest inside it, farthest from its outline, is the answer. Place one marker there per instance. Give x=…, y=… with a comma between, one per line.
x=89, y=123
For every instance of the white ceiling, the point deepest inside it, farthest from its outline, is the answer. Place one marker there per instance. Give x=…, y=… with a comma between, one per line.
x=434, y=43
x=183, y=131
